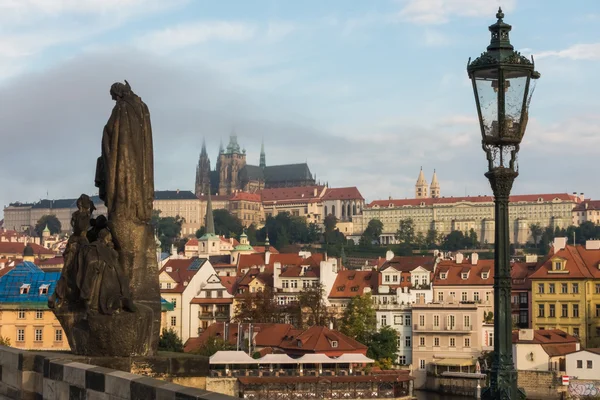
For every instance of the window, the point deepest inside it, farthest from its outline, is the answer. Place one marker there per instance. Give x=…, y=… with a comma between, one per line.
x=387, y=278
x=558, y=265
x=552, y=311
x=407, y=320
x=540, y=288
x=564, y=288
x=422, y=341
x=383, y=320
x=407, y=341
x=334, y=343
x=25, y=288
x=465, y=275
x=576, y=332
x=398, y=319
x=58, y=335
x=485, y=275
x=38, y=334
x=421, y=364
x=476, y=296
x=467, y=321
x=441, y=297
x=395, y=278
x=39, y=314
x=487, y=296
x=579, y=364
x=20, y=335
x=173, y=321
x=174, y=302
x=436, y=342
x=490, y=338
x=44, y=289
x=464, y=296
x=443, y=275
x=168, y=285
x=589, y=364
x=575, y=288
x=576, y=310
x=451, y=322
x=541, y=310
x=452, y=342
x=421, y=320
x=21, y=314
x=467, y=342
x=402, y=360
x=551, y=288
x=564, y=311
x=597, y=288
x=436, y=320
x=453, y=295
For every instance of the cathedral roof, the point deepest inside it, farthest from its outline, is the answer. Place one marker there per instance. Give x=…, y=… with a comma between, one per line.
x=287, y=172
x=174, y=195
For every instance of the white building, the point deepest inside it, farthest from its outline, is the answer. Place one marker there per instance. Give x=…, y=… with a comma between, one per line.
x=584, y=364
x=542, y=350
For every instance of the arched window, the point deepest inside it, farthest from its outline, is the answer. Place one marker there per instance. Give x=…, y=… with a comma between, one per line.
x=333, y=210
x=354, y=209
x=348, y=213
x=343, y=211
x=326, y=211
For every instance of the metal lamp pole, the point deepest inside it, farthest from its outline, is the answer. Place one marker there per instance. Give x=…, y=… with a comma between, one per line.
x=503, y=83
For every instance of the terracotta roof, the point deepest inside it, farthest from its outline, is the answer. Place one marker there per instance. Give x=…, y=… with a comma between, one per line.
x=192, y=242
x=301, y=193
x=318, y=339
x=228, y=282
x=285, y=259
x=347, y=193
x=18, y=247
x=350, y=283
x=580, y=263
x=203, y=300
x=262, y=249
x=546, y=336
x=587, y=205
x=454, y=273
x=409, y=263
x=520, y=273
x=554, y=350
x=179, y=272
x=266, y=334
x=471, y=199
x=246, y=197
x=234, y=242
x=595, y=350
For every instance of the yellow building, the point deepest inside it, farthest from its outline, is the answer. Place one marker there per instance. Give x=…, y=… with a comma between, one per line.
x=25, y=319
x=566, y=291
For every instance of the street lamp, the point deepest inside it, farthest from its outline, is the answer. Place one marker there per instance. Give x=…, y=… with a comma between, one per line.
x=503, y=82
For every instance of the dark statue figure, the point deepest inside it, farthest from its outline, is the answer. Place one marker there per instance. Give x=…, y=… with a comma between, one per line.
x=108, y=297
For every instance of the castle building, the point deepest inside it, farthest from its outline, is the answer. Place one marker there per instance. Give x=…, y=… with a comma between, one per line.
x=232, y=173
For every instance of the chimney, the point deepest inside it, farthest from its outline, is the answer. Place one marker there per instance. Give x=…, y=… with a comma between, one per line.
x=581, y=197
x=525, y=334
x=315, y=192
x=267, y=255
x=592, y=244
x=559, y=243
x=459, y=258
x=474, y=258
x=389, y=255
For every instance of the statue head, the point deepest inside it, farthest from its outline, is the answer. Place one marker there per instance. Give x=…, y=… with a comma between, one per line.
x=85, y=204
x=119, y=90
x=105, y=238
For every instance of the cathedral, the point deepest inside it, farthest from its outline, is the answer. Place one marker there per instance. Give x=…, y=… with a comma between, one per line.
x=232, y=174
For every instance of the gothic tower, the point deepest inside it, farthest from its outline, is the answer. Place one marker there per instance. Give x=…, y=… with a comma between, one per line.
x=421, y=188
x=231, y=161
x=434, y=189
x=203, y=172
x=263, y=159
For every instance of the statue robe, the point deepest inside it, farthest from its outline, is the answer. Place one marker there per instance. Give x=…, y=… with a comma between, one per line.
x=125, y=171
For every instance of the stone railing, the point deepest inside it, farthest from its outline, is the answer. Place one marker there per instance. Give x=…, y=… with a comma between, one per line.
x=58, y=376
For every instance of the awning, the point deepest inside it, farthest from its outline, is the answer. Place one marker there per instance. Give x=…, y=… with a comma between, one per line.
x=232, y=357
x=455, y=362
x=316, y=359
x=353, y=358
x=277, y=359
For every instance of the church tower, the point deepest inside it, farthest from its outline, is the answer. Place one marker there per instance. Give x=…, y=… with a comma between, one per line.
x=231, y=161
x=203, y=172
x=421, y=188
x=263, y=159
x=434, y=189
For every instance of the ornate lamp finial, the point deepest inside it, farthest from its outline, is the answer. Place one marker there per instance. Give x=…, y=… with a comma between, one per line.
x=500, y=14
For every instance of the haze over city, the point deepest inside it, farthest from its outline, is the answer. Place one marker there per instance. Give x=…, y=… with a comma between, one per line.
x=366, y=92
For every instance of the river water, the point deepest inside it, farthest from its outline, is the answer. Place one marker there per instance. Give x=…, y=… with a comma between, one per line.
x=434, y=396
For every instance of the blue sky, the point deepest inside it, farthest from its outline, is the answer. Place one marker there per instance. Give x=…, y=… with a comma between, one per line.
x=366, y=92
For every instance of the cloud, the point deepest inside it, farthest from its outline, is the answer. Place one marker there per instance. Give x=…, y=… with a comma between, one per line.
x=582, y=51
x=277, y=30
x=435, y=38
x=185, y=35
x=428, y=12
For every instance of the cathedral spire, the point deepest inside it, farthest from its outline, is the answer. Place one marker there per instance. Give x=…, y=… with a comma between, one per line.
x=221, y=150
x=263, y=159
x=203, y=152
x=434, y=189
x=210, y=221
x=421, y=188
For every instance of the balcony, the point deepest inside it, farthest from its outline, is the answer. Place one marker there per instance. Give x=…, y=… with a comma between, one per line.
x=442, y=329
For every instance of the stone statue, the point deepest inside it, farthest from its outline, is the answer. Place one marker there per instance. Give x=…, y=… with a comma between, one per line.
x=108, y=298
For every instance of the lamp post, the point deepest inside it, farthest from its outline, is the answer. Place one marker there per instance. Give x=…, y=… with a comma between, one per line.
x=503, y=82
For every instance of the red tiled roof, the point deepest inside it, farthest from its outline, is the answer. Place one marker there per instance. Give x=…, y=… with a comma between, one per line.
x=520, y=274
x=262, y=249
x=54, y=261
x=267, y=335
x=246, y=197
x=318, y=339
x=347, y=193
x=301, y=193
x=18, y=247
x=472, y=199
x=454, y=273
x=587, y=205
x=192, y=242
x=409, y=263
x=179, y=273
x=580, y=263
x=546, y=336
x=350, y=283
x=228, y=282
x=234, y=242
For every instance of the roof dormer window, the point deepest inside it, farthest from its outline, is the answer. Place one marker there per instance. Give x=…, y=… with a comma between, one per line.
x=464, y=275
x=443, y=275
x=557, y=265
x=25, y=288
x=485, y=275
x=334, y=343
x=44, y=289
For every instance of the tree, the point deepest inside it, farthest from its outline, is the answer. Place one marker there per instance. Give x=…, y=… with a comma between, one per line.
x=251, y=233
x=258, y=307
x=313, y=299
x=371, y=233
x=168, y=229
x=536, y=233
x=454, y=241
x=48, y=220
x=227, y=224
x=170, y=341
x=384, y=344
x=4, y=341
x=330, y=223
x=471, y=241
x=431, y=238
x=406, y=231
x=420, y=240
x=359, y=319
x=212, y=345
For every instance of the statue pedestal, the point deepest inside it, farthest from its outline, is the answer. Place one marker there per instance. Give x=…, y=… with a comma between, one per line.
x=123, y=334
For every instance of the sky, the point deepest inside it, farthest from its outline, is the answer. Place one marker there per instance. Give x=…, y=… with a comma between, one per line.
x=366, y=92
